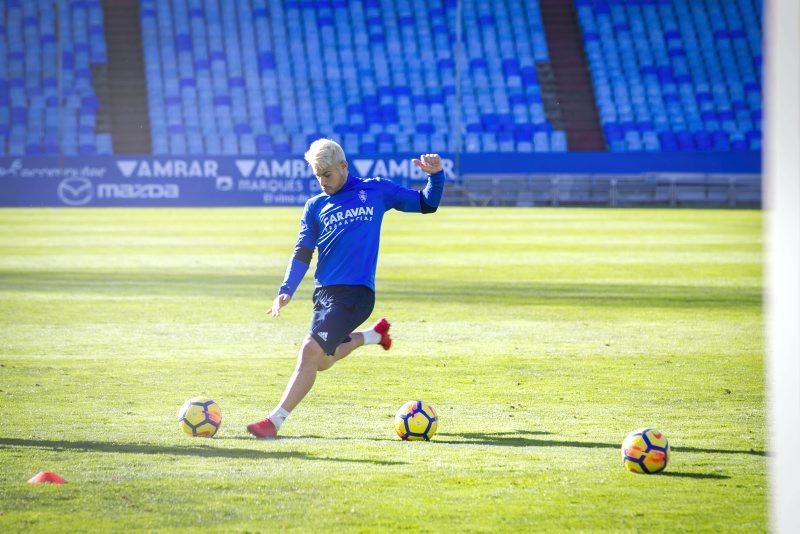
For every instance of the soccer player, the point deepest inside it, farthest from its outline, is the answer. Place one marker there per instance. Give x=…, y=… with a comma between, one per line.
x=344, y=224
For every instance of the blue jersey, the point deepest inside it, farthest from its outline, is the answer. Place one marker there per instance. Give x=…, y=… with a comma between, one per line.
x=345, y=228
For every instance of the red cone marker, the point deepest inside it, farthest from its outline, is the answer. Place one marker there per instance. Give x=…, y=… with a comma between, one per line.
x=46, y=477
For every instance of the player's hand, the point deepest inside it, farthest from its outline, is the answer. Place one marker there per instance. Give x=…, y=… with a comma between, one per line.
x=279, y=302
x=430, y=163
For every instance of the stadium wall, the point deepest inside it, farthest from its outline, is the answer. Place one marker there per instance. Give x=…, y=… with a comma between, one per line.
x=255, y=181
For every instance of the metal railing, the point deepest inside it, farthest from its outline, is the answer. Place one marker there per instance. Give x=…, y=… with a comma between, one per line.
x=662, y=189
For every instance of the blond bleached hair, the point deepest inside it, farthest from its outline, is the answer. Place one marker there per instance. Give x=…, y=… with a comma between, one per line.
x=324, y=153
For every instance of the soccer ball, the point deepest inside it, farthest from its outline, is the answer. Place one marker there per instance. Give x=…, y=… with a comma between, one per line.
x=415, y=421
x=200, y=417
x=645, y=451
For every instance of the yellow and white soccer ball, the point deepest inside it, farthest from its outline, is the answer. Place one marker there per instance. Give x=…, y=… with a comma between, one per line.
x=200, y=417
x=645, y=451
x=416, y=421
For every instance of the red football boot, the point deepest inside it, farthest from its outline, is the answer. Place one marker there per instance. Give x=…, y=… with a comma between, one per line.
x=264, y=429
x=382, y=327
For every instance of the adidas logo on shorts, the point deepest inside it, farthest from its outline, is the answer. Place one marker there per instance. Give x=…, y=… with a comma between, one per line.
x=323, y=335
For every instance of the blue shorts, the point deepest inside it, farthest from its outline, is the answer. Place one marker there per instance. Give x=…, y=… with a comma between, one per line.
x=338, y=311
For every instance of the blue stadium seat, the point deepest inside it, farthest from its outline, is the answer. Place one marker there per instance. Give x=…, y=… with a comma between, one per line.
x=558, y=141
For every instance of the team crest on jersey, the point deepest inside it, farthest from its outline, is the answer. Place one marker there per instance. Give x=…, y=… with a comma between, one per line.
x=362, y=195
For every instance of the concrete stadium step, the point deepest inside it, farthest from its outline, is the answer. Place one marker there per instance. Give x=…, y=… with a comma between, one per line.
x=126, y=96
x=569, y=87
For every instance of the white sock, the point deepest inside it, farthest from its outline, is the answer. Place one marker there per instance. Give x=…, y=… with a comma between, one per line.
x=371, y=337
x=278, y=416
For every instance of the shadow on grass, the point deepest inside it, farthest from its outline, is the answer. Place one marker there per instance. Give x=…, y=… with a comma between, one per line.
x=521, y=292
x=522, y=438
x=679, y=474
x=516, y=439
x=396, y=440
x=749, y=452
x=602, y=295
x=308, y=437
x=189, y=450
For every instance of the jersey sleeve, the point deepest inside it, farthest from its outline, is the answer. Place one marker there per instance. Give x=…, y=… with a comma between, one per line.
x=303, y=250
x=399, y=197
x=309, y=227
x=411, y=200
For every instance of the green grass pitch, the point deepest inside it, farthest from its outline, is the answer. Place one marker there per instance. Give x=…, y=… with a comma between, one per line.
x=542, y=337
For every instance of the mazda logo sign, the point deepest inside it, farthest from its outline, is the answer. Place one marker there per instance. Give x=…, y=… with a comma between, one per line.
x=75, y=191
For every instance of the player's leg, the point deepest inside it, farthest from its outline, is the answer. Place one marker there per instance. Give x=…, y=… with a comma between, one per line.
x=355, y=340
x=377, y=334
x=361, y=302
x=310, y=360
x=337, y=311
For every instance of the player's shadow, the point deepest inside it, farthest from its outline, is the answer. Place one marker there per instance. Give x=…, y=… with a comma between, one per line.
x=314, y=437
x=521, y=439
x=393, y=439
x=189, y=450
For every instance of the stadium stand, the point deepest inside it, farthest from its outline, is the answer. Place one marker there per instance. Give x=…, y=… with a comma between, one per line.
x=42, y=112
x=267, y=77
x=676, y=75
x=378, y=75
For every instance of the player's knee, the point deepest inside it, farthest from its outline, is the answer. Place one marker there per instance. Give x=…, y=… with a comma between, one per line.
x=326, y=363
x=312, y=355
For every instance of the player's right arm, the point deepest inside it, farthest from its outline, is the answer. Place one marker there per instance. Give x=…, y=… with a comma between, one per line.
x=301, y=259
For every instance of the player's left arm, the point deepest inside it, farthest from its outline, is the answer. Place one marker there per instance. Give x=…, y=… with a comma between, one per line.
x=427, y=200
